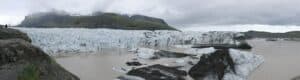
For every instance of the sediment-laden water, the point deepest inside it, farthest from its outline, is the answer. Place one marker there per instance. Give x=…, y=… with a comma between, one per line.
x=281, y=59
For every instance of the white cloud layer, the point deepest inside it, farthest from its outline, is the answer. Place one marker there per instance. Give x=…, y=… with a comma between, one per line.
x=179, y=13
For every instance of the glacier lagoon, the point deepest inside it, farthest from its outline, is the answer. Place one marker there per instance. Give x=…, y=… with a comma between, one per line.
x=281, y=59
x=95, y=54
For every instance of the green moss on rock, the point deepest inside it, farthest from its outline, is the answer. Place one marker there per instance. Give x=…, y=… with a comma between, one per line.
x=30, y=72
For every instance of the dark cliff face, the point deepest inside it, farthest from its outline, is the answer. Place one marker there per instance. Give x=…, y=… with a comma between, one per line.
x=99, y=20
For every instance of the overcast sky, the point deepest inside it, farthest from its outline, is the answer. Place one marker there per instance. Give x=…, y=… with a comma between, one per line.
x=179, y=13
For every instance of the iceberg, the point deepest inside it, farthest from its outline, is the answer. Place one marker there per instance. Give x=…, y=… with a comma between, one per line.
x=245, y=63
x=145, y=53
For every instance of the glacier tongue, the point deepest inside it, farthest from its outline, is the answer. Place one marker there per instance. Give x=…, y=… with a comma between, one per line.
x=80, y=40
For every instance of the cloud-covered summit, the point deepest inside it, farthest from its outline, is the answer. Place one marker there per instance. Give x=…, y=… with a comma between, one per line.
x=180, y=13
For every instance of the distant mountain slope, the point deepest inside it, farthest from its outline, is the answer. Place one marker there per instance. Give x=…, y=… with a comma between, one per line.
x=97, y=20
x=260, y=34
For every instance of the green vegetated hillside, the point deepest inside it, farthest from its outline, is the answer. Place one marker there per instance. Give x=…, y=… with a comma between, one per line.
x=97, y=20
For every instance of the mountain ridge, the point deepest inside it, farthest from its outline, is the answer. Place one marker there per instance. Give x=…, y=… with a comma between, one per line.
x=96, y=20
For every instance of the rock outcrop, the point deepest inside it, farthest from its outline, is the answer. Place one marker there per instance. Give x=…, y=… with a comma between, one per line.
x=213, y=66
x=157, y=72
x=243, y=45
x=134, y=63
x=20, y=60
x=7, y=33
x=206, y=64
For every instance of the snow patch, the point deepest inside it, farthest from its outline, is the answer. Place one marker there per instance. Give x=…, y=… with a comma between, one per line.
x=145, y=53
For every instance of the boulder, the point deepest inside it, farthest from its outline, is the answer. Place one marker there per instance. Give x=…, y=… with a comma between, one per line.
x=170, y=54
x=134, y=63
x=19, y=60
x=7, y=33
x=158, y=72
x=213, y=66
x=243, y=45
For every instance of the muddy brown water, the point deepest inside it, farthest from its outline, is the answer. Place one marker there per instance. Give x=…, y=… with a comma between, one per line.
x=103, y=65
x=281, y=59
x=97, y=66
x=281, y=62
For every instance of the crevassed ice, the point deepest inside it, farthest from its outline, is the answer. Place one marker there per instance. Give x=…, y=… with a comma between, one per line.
x=77, y=40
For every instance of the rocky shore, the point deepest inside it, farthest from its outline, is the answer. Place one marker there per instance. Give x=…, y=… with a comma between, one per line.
x=204, y=64
x=20, y=60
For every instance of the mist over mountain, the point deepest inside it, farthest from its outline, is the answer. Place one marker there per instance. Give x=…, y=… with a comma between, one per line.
x=60, y=19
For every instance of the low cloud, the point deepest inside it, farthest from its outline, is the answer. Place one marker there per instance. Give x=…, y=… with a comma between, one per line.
x=180, y=13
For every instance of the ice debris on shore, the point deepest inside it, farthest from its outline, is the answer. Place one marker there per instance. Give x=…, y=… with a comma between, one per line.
x=244, y=61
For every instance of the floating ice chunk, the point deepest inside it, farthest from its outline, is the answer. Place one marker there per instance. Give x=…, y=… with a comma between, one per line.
x=232, y=76
x=245, y=63
x=180, y=61
x=133, y=50
x=201, y=51
x=120, y=69
x=183, y=46
x=145, y=53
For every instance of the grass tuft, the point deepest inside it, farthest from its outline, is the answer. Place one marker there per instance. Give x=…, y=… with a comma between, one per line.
x=30, y=72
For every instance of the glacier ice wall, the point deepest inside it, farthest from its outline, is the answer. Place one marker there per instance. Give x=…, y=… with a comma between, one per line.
x=80, y=40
